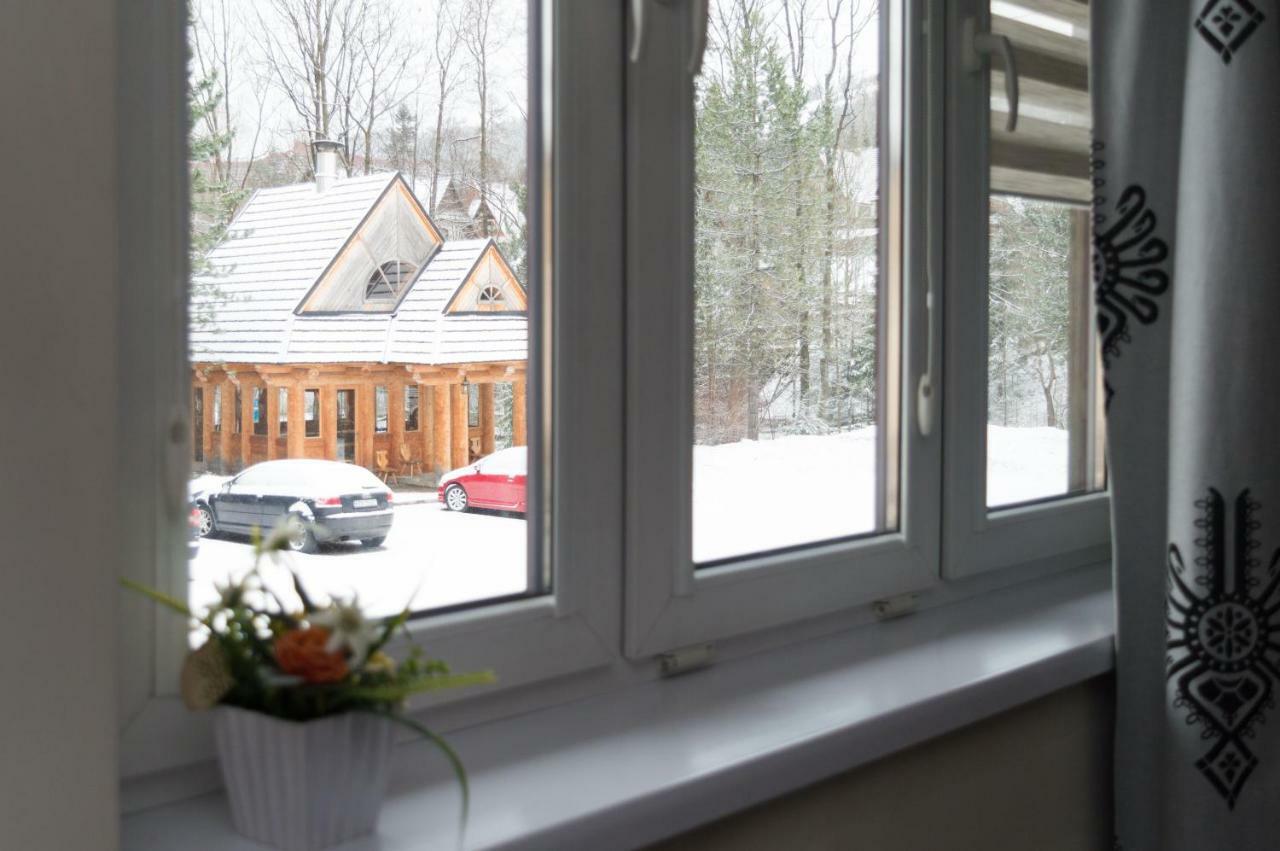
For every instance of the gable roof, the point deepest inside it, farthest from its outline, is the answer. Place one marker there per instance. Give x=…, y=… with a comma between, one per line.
x=243, y=308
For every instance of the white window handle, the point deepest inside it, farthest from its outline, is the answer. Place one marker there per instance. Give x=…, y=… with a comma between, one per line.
x=699, y=10
x=978, y=46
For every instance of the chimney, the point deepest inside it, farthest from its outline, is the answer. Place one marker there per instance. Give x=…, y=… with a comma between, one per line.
x=326, y=163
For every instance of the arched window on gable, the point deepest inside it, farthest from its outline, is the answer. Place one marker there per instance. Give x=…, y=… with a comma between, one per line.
x=389, y=280
x=490, y=296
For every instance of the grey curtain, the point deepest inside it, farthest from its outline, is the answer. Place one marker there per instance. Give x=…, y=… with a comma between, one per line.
x=1187, y=284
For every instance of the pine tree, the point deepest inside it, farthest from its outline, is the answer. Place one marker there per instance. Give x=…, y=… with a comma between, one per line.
x=213, y=201
x=401, y=142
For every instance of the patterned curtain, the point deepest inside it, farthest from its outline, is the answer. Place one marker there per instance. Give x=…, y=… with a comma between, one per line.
x=1187, y=282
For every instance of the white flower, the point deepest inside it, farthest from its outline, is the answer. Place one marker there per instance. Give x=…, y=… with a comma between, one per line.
x=278, y=540
x=348, y=628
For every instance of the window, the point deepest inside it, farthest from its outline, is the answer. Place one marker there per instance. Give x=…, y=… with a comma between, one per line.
x=311, y=412
x=197, y=423
x=217, y=410
x=380, y=410
x=411, y=407
x=389, y=280
x=239, y=411
x=491, y=296
x=1026, y=478
x=259, y=410
x=282, y=417
x=473, y=405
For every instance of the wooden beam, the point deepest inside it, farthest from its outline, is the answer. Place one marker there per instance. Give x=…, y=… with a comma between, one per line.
x=395, y=421
x=519, y=406
x=486, y=419
x=461, y=453
x=272, y=413
x=364, y=424
x=297, y=414
x=329, y=420
x=225, y=446
x=426, y=428
x=246, y=423
x=442, y=409
x=206, y=426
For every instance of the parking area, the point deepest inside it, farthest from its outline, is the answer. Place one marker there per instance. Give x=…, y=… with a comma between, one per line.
x=431, y=558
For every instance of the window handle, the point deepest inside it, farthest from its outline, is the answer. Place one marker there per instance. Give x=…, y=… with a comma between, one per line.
x=978, y=46
x=699, y=10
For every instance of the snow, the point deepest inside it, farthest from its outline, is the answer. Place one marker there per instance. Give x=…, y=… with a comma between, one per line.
x=759, y=495
x=748, y=497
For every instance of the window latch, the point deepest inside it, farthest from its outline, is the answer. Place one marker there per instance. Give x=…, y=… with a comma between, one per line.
x=686, y=659
x=894, y=607
x=980, y=45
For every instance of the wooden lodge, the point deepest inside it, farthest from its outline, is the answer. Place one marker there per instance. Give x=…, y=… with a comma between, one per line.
x=335, y=321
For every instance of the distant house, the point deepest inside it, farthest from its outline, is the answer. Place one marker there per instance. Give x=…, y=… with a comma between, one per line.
x=337, y=321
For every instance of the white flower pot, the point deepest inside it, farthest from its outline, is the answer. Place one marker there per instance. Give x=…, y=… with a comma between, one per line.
x=302, y=786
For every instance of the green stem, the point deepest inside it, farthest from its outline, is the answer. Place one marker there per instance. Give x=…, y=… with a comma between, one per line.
x=459, y=771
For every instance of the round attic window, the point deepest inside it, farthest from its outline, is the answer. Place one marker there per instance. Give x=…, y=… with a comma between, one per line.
x=389, y=279
x=491, y=295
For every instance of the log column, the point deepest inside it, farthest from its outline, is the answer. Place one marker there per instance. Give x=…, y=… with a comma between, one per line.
x=226, y=452
x=273, y=420
x=461, y=432
x=296, y=439
x=426, y=428
x=486, y=418
x=246, y=423
x=364, y=425
x=206, y=426
x=395, y=421
x=442, y=413
x=329, y=420
x=518, y=412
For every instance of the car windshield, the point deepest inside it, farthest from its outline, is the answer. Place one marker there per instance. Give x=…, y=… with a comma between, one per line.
x=311, y=477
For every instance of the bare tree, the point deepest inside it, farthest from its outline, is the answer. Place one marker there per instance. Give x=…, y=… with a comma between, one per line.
x=383, y=53
x=312, y=60
x=218, y=53
x=447, y=70
x=482, y=34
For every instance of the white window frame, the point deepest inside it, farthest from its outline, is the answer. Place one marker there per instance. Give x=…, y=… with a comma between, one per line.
x=573, y=628
x=669, y=603
x=1064, y=532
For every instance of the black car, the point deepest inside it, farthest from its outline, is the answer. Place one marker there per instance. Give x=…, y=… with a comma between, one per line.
x=333, y=501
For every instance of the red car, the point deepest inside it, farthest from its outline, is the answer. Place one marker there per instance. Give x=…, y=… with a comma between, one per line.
x=496, y=481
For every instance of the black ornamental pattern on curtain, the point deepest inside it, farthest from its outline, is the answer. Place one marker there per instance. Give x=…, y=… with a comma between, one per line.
x=1223, y=645
x=1227, y=24
x=1128, y=264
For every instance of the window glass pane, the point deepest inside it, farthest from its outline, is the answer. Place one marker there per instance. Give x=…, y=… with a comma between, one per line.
x=380, y=410
x=311, y=412
x=788, y=361
x=347, y=217
x=411, y=407
x=1044, y=406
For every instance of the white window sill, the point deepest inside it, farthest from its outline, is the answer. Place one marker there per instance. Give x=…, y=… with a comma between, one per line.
x=657, y=758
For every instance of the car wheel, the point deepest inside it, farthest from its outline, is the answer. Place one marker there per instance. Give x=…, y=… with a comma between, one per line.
x=455, y=498
x=206, y=525
x=303, y=539
x=372, y=542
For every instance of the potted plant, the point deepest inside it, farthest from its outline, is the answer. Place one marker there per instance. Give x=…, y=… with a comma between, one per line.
x=306, y=701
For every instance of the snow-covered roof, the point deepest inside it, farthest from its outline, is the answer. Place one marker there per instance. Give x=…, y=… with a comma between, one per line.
x=245, y=306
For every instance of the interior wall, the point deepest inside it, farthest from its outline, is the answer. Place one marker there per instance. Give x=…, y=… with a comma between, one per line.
x=57, y=371
x=1037, y=777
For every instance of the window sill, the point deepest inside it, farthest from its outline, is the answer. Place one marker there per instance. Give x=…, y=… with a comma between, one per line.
x=657, y=758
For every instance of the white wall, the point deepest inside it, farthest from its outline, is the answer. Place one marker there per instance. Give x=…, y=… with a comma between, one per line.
x=57, y=377
x=1037, y=778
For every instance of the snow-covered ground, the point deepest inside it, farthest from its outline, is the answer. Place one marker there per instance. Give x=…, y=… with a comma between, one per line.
x=758, y=495
x=748, y=497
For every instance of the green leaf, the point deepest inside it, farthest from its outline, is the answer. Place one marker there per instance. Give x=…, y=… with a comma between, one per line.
x=459, y=771
x=158, y=596
x=395, y=692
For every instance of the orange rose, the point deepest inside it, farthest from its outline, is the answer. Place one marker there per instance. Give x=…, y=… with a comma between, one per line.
x=302, y=652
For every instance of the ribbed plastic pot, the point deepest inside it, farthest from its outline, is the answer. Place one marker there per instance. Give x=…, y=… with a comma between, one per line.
x=303, y=786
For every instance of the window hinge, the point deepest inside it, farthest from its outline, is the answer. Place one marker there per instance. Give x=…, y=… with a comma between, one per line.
x=686, y=659
x=894, y=607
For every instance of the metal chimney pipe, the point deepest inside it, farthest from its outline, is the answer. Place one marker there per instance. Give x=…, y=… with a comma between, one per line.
x=326, y=154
